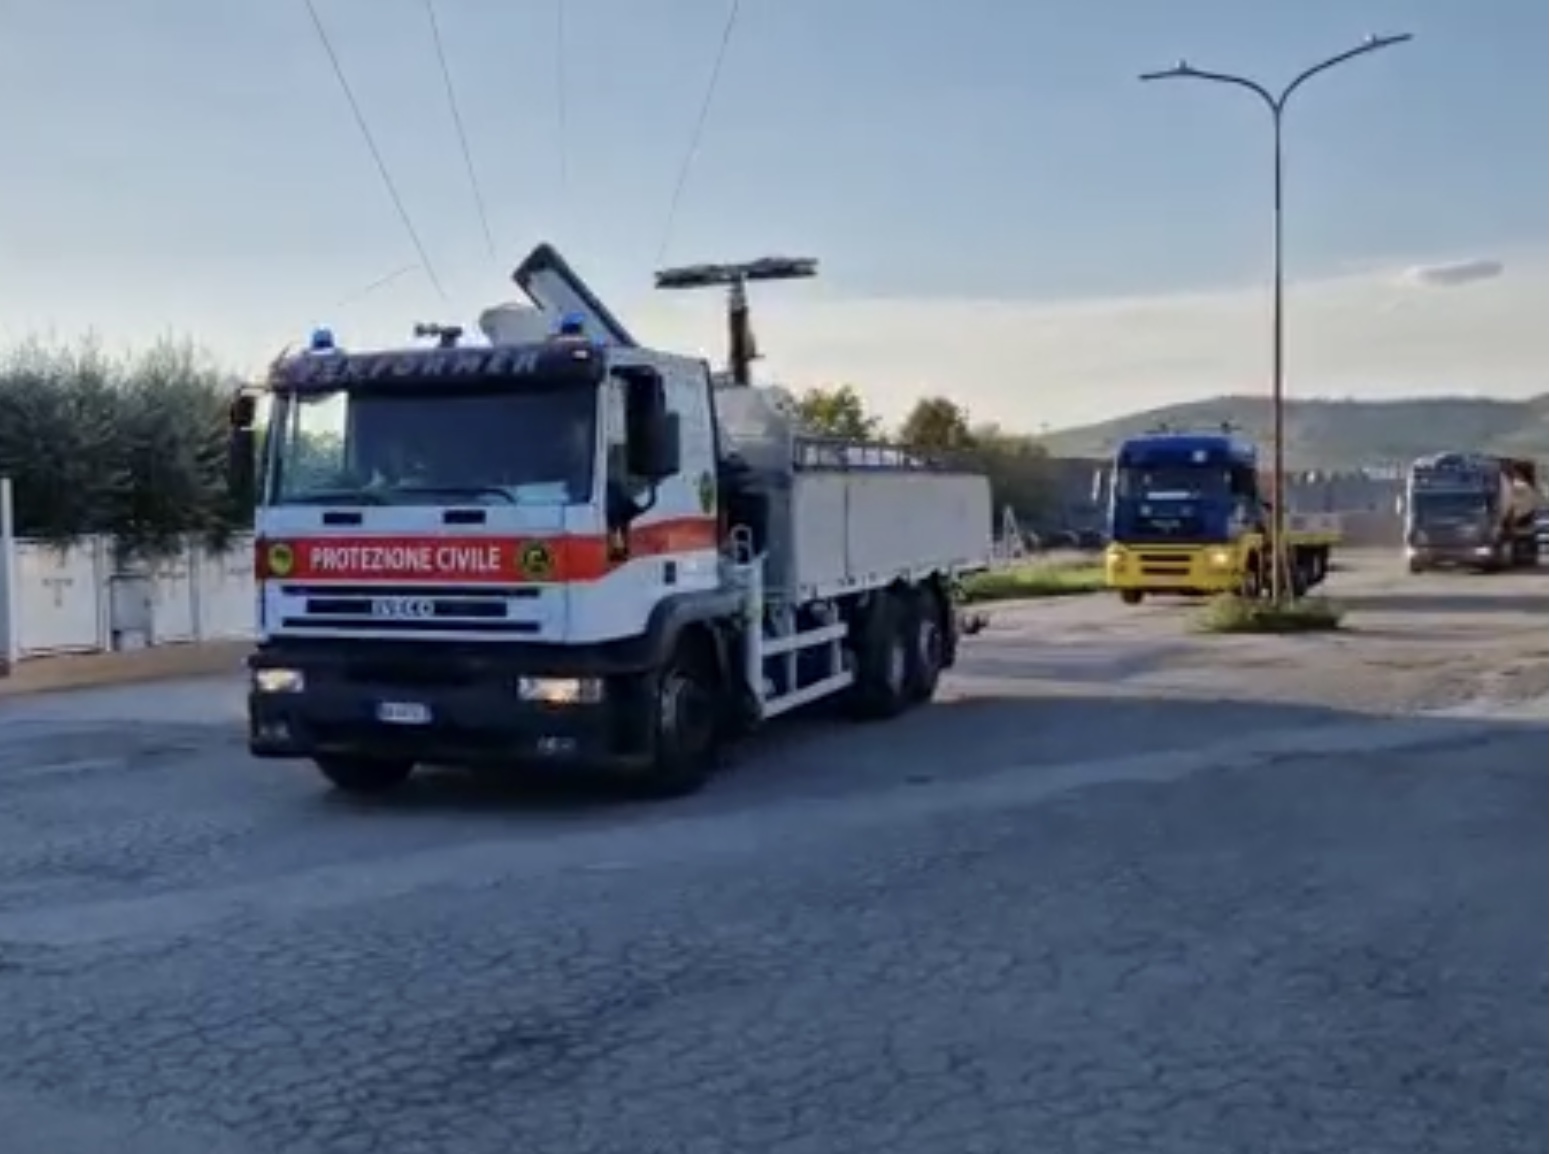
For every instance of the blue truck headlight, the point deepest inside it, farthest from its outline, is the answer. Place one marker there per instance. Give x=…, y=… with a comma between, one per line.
x=560, y=690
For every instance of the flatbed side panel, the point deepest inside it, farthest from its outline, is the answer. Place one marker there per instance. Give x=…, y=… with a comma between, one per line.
x=863, y=527
x=1314, y=528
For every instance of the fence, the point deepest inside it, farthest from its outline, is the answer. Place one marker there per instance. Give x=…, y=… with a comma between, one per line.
x=74, y=600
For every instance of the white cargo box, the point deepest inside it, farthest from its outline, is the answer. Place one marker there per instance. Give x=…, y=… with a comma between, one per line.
x=861, y=528
x=850, y=515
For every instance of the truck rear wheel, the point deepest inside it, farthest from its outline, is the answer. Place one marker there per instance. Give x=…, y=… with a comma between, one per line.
x=882, y=660
x=1131, y=596
x=687, y=732
x=364, y=776
x=928, y=655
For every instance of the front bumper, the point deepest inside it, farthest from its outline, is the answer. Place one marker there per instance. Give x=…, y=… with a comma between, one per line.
x=441, y=709
x=1447, y=554
x=1173, y=568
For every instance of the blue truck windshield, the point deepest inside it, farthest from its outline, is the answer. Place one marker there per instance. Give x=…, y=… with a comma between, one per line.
x=1438, y=506
x=433, y=446
x=1164, y=501
x=1172, y=482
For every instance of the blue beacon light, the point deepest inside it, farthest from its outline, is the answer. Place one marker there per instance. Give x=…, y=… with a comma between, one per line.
x=571, y=325
x=321, y=341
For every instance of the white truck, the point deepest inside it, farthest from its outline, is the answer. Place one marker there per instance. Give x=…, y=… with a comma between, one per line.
x=563, y=547
x=1472, y=511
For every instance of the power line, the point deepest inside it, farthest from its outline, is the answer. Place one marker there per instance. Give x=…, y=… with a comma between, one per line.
x=457, y=124
x=699, y=127
x=381, y=282
x=376, y=153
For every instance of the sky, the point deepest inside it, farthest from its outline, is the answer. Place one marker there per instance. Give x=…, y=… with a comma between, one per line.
x=1003, y=212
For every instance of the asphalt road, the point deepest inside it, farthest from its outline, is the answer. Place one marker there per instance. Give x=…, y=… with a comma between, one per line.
x=1109, y=894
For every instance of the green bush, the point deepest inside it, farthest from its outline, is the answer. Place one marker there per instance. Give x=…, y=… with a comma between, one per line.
x=1232, y=614
x=1035, y=579
x=129, y=447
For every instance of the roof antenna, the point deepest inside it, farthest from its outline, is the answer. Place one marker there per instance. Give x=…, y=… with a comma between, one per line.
x=742, y=351
x=446, y=336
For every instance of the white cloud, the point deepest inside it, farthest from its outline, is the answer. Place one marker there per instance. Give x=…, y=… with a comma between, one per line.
x=1027, y=363
x=1453, y=273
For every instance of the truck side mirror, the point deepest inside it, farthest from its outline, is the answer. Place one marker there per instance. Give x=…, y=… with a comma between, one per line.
x=652, y=437
x=242, y=451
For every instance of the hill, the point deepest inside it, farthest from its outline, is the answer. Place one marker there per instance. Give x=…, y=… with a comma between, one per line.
x=1340, y=434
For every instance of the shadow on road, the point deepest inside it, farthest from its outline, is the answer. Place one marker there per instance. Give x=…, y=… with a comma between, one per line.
x=951, y=742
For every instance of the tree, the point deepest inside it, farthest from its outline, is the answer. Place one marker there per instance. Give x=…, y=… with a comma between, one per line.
x=132, y=449
x=172, y=426
x=1020, y=472
x=937, y=423
x=837, y=412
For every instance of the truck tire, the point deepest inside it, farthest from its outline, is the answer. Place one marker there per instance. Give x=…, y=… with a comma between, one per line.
x=687, y=726
x=1301, y=570
x=1416, y=566
x=363, y=776
x=1252, y=586
x=1131, y=596
x=928, y=649
x=1319, y=566
x=882, y=660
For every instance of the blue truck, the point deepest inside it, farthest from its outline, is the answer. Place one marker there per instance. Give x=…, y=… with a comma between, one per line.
x=1187, y=514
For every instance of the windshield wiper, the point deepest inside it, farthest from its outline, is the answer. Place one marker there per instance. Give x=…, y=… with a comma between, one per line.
x=456, y=491
x=337, y=497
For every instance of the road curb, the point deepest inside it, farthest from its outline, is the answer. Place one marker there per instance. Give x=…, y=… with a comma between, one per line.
x=95, y=670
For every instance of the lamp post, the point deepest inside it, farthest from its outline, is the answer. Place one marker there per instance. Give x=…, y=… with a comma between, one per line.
x=1276, y=105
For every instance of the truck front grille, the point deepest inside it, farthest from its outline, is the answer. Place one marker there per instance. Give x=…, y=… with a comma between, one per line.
x=408, y=609
x=1164, y=564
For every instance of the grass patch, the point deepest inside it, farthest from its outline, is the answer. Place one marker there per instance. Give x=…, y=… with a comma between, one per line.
x=1232, y=614
x=1033, y=580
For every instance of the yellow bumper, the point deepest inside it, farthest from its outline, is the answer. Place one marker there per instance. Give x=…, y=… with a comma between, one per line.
x=1174, y=568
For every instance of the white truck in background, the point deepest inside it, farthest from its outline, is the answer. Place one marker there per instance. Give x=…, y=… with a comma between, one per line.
x=563, y=547
x=1471, y=511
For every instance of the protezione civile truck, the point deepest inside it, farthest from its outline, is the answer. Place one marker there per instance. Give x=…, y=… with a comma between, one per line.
x=564, y=547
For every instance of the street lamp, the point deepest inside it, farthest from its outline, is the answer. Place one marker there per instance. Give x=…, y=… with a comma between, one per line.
x=1183, y=70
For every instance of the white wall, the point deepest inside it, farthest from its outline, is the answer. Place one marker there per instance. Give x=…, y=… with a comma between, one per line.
x=71, y=601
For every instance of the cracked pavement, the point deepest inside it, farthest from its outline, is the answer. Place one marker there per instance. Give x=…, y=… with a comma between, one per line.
x=1092, y=901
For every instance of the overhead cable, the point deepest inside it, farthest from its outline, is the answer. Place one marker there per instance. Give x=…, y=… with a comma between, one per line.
x=376, y=153
x=699, y=127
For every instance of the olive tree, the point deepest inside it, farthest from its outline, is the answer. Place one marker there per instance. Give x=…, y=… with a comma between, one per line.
x=132, y=448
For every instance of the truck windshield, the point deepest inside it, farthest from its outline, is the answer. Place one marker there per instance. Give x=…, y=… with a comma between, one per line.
x=1171, y=482
x=1449, y=506
x=518, y=446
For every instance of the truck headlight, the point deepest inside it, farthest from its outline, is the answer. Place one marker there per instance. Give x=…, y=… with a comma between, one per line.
x=279, y=680
x=1220, y=559
x=560, y=690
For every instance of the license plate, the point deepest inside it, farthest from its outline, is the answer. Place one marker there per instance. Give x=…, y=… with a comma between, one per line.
x=403, y=713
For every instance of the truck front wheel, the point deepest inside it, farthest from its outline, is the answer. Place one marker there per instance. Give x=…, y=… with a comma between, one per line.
x=1252, y=586
x=364, y=775
x=686, y=740
x=1131, y=596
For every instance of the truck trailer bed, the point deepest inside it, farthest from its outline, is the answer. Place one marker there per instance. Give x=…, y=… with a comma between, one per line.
x=864, y=527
